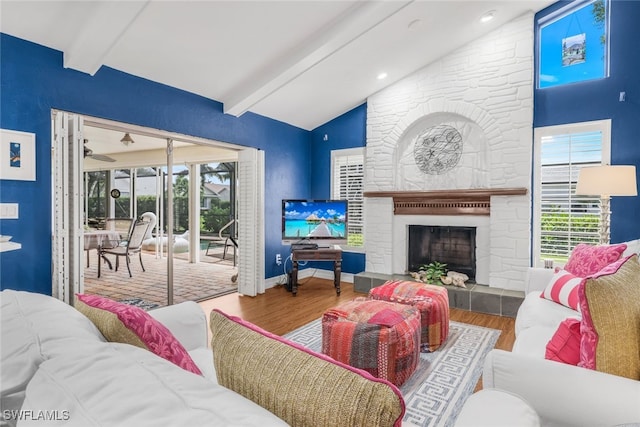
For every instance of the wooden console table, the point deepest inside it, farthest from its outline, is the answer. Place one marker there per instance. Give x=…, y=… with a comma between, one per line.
x=320, y=254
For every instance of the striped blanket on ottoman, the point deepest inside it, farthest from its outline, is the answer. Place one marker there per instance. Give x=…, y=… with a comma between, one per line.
x=379, y=337
x=431, y=300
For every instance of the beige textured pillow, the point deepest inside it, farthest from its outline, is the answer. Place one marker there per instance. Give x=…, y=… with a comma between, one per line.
x=109, y=324
x=610, y=326
x=130, y=325
x=301, y=387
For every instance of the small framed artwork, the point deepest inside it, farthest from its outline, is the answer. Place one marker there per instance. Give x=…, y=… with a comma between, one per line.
x=574, y=50
x=17, y=155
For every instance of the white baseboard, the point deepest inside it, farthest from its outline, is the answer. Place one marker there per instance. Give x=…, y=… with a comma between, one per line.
x=328, y=274
x=308, y=272
x=274, y=281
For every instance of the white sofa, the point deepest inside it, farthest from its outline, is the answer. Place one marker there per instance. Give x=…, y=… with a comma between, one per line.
x=561, y=394
x=57, y=369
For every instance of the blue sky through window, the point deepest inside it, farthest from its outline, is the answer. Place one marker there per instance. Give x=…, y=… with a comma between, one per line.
x=584, y=147
x=573, y=47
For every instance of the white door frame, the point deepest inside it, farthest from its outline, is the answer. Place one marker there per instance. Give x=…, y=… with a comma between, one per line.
x=251, y=280
x=68, y=199
x=67, y=156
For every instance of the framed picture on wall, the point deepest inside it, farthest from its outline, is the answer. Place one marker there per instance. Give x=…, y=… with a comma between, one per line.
x=17, y=155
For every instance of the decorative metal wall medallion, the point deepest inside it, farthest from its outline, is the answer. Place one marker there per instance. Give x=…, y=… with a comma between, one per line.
x=438, y=149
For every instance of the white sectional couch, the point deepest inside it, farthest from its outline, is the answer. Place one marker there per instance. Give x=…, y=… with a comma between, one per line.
x=58, y=369
x=561, y=394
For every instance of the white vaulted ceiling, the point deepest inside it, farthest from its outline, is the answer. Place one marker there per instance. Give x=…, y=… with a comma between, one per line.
x=300, y=62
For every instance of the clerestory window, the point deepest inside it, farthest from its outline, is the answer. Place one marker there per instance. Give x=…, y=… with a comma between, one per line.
x=573, y=44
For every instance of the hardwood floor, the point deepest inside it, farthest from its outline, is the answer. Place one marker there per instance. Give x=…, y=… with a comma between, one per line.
x=279, y=312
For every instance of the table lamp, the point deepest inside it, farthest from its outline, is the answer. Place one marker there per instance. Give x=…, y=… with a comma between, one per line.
x=606, y=181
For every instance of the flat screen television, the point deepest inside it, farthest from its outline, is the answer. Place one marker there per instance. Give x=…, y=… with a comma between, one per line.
x=320, y=221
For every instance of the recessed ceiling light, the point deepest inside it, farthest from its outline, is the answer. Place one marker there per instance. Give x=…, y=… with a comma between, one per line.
x=488, y=16
x=382, y=76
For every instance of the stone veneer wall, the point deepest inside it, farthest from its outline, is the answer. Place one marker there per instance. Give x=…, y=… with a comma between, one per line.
x=485, y=90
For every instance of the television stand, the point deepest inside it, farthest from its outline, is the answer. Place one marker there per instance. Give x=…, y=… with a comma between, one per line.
x=319, y=254
x=303, y=245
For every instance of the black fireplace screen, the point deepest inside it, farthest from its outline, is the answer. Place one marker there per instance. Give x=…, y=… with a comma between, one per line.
x=454, y=246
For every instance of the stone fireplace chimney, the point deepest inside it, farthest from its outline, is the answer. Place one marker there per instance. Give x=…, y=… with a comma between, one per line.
x=451, y=146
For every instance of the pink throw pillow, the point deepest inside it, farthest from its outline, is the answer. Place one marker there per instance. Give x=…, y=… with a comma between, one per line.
x=586, y=260
x=117, y=321
x=564, y=346
x=563, y=289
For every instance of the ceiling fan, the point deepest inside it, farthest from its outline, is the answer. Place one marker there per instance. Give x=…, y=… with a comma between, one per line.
x=88, y=152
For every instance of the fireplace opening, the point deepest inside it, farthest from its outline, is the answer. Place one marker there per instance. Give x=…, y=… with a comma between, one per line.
x=454, y=246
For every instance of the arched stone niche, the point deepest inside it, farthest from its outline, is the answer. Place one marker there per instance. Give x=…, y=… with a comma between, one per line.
x=472, y=169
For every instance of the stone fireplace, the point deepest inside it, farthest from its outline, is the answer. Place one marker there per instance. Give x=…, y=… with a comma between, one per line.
x=396, y=211
x=479, y=179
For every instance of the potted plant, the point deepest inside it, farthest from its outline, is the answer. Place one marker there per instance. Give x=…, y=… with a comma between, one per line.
x=433, y=272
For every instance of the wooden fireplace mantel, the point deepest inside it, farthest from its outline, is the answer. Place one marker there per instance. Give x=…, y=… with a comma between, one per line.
x=474, y=201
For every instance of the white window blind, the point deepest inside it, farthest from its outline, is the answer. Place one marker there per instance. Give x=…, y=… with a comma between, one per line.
x=348, y=184
x=563, y=218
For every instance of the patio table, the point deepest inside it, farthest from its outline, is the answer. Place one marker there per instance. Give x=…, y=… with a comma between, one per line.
x=94, y=239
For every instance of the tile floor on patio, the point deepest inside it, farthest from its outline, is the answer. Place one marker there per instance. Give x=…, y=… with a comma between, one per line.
x=209, y=278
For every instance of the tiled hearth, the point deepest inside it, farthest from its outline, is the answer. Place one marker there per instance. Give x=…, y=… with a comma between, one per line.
x=478, y=298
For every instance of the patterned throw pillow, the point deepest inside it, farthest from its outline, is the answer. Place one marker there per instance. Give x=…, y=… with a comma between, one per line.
x=302, y=387
x=564, y=346
x=131, y=325
x=610, y=303
x=586, y=260
x=563, y=289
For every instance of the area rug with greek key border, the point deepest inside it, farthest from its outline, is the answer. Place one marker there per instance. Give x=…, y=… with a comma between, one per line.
x=443, y=380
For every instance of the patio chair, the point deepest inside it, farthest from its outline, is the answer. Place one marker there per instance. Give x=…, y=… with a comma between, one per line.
x=116, y=226
x=131, y=246
x=225, y=242
x=119, y=225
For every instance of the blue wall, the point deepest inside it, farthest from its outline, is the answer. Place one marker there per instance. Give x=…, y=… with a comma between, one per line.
x=598, y=99
x=346, y=131
x=33, y=82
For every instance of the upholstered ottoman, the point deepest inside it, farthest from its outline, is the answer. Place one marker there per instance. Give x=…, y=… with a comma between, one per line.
x=380, y=337
x=431, y=300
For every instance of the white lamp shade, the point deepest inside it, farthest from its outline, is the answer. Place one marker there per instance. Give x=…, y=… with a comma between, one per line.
x=607, y=181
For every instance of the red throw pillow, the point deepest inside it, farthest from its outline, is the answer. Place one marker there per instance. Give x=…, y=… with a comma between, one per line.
x=565, y=344
x=131, y=325
x=586, y=260
x=563, y=289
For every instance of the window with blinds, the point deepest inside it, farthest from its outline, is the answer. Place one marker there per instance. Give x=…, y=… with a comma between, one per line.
x=348, y=184
x=564, y=219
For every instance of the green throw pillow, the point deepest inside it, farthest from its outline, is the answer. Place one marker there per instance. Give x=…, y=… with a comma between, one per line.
x=300, y=386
